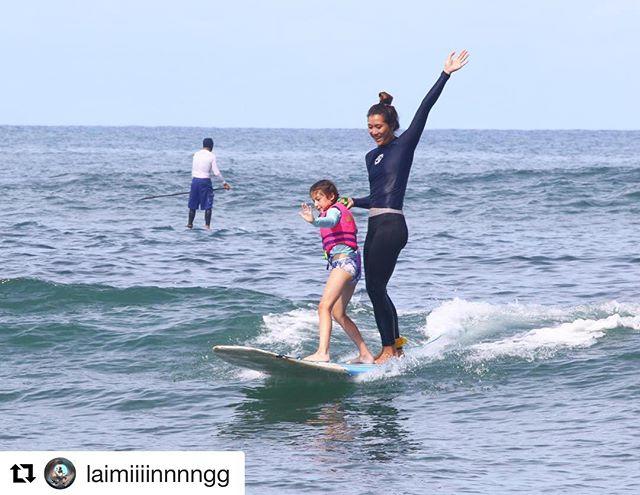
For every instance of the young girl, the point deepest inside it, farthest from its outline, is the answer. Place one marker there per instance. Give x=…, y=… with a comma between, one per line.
x=339, y=241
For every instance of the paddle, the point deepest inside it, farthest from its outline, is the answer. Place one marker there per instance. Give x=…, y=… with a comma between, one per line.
x=174, y=194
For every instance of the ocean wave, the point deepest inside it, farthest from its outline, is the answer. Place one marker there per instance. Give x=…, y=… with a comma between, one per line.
x=39, y=313
x=546, y=342
x=482, y=331
x=548, y=176
x=18, y=293
x=458, y=333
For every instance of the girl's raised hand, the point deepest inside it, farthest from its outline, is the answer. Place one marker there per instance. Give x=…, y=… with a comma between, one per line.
x=306, y=212
x=454, y=64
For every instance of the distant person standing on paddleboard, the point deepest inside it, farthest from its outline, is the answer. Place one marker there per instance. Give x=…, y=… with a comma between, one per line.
x=388, y=167
x=201, y=195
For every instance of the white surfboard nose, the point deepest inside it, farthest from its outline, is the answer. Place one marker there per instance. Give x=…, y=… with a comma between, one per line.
x=286, y=366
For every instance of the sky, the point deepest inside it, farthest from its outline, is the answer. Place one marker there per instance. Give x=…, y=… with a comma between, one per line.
x=548, y=64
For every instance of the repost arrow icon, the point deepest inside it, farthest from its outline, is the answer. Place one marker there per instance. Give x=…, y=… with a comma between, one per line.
x=17, y=479
x=29, y=467
x=15, y=468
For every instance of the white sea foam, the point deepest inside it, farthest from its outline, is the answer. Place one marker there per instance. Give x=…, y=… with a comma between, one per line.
x=533, y=331
x=286, y=332
x=545, y=342
x=479, y=331
x=456, y=324
x=390, y=369
x=246, y=375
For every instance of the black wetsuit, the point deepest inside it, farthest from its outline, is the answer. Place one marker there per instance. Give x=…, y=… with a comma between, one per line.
x=388, y=167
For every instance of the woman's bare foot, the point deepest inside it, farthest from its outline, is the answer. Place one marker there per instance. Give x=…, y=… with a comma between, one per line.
x=318, y=357
x=207, y=227
x=189, y=225
x=388, y=352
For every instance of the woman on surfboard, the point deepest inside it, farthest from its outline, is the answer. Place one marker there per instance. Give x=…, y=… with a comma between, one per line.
x=339, y=241
x=388, y=166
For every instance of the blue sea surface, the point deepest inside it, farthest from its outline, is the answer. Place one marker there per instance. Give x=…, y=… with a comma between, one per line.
x=522, y=262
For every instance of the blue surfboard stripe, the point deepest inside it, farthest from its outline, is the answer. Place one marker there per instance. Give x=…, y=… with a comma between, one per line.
x=359, y=369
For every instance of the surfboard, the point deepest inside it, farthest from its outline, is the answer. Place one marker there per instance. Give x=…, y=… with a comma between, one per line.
x=281, y=365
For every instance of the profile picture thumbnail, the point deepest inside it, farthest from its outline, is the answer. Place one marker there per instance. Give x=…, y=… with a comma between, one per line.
x=59, y=473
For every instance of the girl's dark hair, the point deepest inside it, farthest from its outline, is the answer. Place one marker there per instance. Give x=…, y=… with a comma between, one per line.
x=387, y=110
x=326, y=186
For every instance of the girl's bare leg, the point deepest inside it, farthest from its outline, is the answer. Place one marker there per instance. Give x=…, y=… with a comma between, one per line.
x=339, y=314
x=336, y=283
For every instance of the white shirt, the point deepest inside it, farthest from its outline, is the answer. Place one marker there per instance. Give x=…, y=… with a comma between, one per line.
x=204, y=164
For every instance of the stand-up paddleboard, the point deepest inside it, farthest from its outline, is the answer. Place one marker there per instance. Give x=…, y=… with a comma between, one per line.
x=287, y=366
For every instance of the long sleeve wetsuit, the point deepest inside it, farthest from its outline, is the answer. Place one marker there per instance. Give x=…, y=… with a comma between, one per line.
x=388, y=167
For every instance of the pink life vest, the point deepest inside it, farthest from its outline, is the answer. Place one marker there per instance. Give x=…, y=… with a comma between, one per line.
x=344, y=232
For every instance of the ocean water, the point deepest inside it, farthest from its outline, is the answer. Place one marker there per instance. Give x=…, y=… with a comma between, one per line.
x=522, y=259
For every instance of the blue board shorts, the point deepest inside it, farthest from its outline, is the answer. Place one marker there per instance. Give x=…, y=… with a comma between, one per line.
x=201, y=195
x=352, y=264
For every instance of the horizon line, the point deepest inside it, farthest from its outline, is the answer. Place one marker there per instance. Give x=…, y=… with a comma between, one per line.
x=167, y=126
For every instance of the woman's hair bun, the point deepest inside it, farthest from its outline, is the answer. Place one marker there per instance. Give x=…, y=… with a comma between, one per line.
x=385, y=98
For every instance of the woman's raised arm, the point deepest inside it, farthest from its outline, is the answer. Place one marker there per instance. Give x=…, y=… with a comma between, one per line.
x=414, y=131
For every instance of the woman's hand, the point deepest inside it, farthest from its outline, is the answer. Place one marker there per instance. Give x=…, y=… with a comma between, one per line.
x=454, y=64
x=349, y=203
x=306, y=212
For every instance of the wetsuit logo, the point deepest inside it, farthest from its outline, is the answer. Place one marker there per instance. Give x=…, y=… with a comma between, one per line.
x=379, y=158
